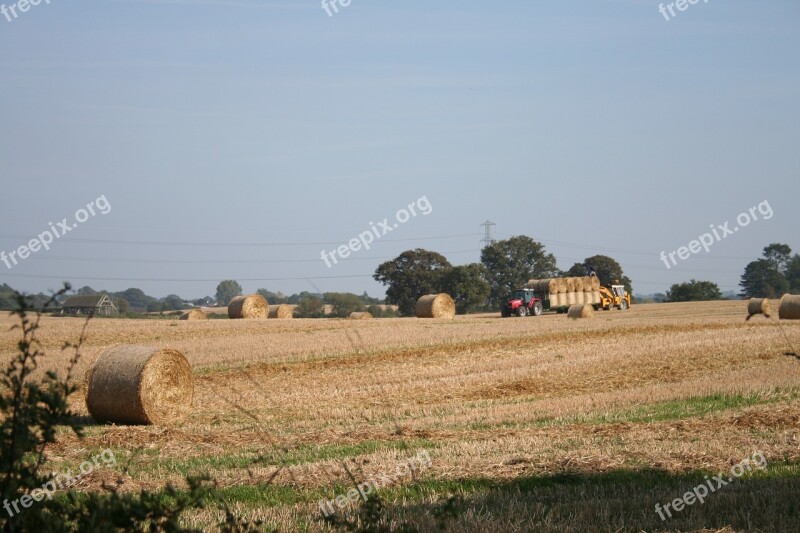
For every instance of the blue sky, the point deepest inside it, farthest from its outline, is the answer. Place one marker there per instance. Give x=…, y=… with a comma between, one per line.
x=592, y=126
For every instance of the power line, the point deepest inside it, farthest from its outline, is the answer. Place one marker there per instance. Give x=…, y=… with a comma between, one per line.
x=218, y=261
x=232, y=244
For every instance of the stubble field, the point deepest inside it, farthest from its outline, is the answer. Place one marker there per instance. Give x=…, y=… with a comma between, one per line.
x=538, y=423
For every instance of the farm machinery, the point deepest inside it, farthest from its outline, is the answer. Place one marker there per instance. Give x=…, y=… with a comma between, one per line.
x=558, y=294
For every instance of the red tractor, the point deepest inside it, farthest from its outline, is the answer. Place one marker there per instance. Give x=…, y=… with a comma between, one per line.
x=522, y=303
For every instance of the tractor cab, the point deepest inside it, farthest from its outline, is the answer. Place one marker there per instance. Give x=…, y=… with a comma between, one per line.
x=526, y=295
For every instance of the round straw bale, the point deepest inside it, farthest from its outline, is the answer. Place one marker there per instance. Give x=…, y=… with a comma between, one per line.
x=139, y=385
x=251, y=306
x=580, y=299
x=790, y=307
x=360, y=316
x=595, y=283
x=570, y=282
x=587, y=284
x=580, y=311
x=561, y=285
x=194, y=314
x=570, y=299
x=436, y=306
x=532, y=284
x=281, y=311
x=759, y=306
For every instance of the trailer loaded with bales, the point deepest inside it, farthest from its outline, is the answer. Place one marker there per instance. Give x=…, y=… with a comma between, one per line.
x=558, y=294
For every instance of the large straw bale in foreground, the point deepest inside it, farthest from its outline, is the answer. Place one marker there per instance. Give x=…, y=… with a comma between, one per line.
x=790, y=307
x=580, y=311
x=759, y=306
x=139, y=385
x=436, y=306
x=251, y=306
x=281, y=311
x=194, y=314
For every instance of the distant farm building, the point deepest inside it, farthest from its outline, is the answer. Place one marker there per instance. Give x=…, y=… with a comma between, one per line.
x=89, y=304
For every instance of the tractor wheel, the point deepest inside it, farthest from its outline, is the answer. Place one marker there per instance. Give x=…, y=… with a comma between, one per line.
x=522, y=311
x=623, y=305
x=537, y=309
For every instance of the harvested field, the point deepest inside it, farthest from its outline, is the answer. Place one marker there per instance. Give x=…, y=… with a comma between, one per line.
x=538, y=423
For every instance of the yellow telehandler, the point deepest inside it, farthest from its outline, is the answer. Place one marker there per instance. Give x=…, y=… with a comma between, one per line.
x=615, y=297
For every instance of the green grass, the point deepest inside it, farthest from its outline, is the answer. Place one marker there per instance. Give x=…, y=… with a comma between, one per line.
x=656, y=412
x=251, y=458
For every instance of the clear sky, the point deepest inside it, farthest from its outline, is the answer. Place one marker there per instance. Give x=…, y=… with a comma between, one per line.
x=216, y=129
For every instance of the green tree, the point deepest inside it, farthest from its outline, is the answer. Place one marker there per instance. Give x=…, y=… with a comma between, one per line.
x=510, y=263
x=694, y=291
x=310, y=307
x=410, y=275
x=7, y=301
x=86, y=290
x=344, y=303
x=173, y=302
x=793, y=274
x=227, y=290
x=779, y=255
x=467, y=286
x=122, y=304
x=274, y=298
x=761, y=279
x=609, y=271
x=138, y=300
x=575, y=271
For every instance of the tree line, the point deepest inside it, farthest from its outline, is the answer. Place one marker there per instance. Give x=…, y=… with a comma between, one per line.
x=505, y=265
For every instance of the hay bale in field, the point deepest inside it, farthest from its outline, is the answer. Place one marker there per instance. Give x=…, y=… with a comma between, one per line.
x=436, y=306
x=532, y=284
x=587, y=284
x=595, y=283
x=194, y=314
x=759, y=306
x=790, y=307
x=139, y=385
x=360, y=316
x=580, y=311
x=570, y=299
x=281, y=311
x=580, y=299
x=570, y=284
x=250, y=306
